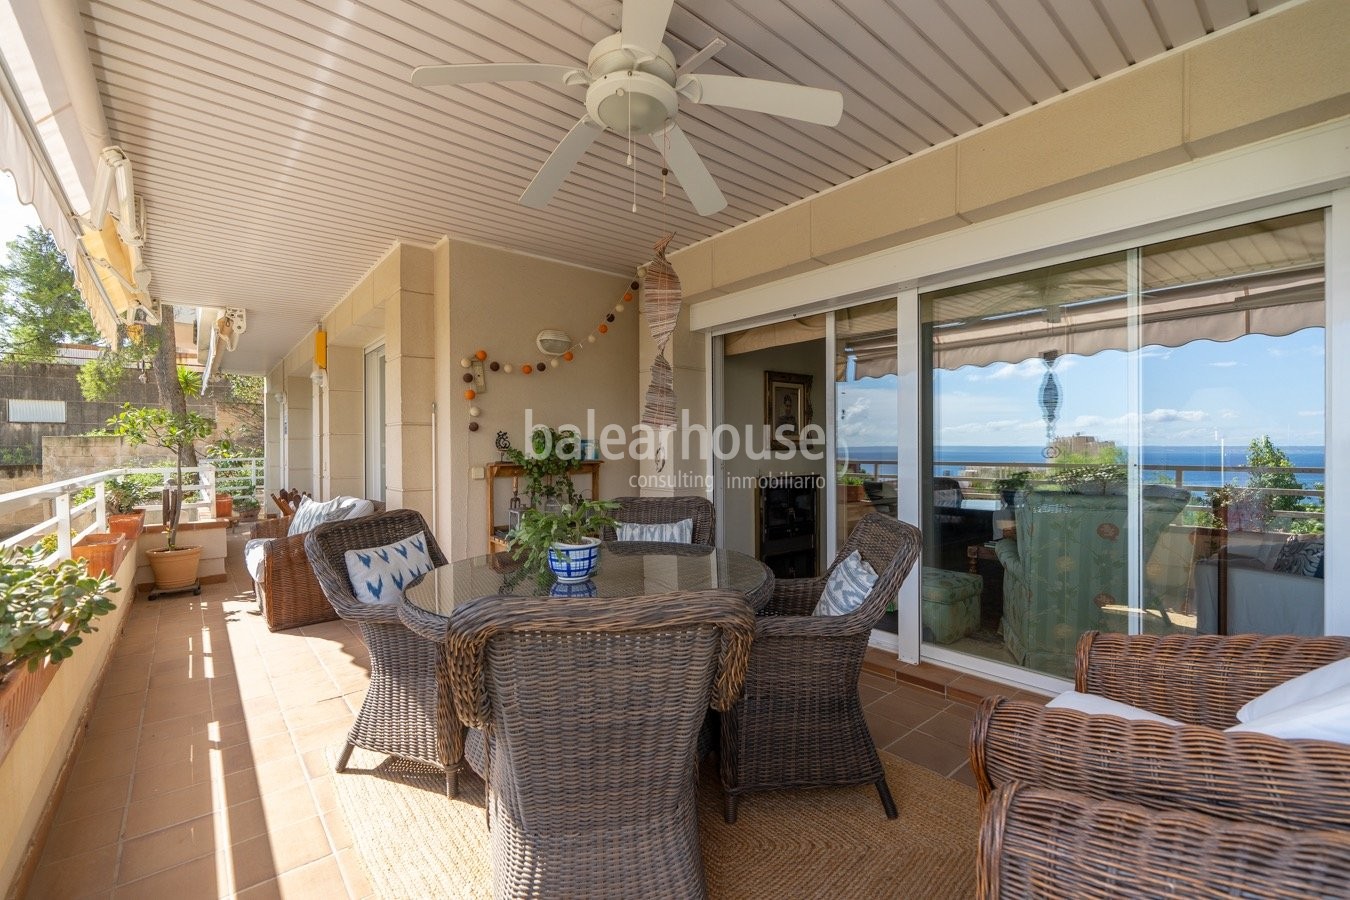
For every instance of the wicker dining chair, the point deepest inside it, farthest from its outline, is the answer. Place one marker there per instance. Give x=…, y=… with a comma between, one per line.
x=799, y=722
x=590, y=711
x=407, y=710
x=664, y=510
x=1237, y=780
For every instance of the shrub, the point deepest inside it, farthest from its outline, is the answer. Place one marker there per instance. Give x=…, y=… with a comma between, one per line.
x=45, y=610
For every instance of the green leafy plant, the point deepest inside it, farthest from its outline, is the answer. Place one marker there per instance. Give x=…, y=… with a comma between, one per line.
x=122, y=495
x=547, y=465
x=44, y=610
x=539, y=529
x=163, y=428
x=851, y=479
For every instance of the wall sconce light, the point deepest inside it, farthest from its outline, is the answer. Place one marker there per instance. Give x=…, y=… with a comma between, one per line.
x=553, y=342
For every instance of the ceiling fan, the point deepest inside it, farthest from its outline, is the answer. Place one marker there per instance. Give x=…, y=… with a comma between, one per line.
x=633, y=88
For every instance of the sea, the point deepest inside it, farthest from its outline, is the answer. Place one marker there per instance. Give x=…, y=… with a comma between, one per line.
x=953, y=460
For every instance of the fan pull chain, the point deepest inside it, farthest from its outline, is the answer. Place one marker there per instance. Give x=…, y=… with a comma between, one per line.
x=632, y=164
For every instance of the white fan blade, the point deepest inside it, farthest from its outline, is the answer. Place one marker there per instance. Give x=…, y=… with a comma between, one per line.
x=795, y=101
x=690, y=171
x=471, y=73
x=556, y=168
x=644, y=25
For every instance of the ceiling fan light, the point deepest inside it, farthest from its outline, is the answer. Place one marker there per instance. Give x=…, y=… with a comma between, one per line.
x=632, y=103
x=632, y=113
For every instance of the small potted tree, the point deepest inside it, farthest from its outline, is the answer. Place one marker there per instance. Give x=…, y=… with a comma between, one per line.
x=175, y=567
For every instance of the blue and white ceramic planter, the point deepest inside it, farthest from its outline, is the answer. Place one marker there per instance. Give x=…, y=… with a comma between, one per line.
x=574, y=563
x=572, y=591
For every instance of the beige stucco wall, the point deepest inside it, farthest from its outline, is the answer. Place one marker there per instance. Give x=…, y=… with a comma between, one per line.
x=498, y=301
x=29, y=772
x=1282, y=71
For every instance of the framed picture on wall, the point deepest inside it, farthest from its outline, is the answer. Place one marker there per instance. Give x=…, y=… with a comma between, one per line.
x=787, y=404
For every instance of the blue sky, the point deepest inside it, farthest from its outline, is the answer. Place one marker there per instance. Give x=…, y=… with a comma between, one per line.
x=14, y=216
x=1191, y=395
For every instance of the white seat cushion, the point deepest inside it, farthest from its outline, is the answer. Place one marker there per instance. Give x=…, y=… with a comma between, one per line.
x=848, y=586
x=681, y=532
x=379, y=574
x=1321, y=680
x=1094, y=705
x=254, y=553
x=1325, y=717
x=312, y=513
x=360, y=508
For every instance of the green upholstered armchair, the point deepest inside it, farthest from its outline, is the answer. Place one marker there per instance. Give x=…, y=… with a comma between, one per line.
x=1067, y=562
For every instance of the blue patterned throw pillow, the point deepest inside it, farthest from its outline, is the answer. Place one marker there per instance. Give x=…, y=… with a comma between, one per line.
x=681, y=532
x=849, y=584
x=1301, y=558
x=380, y=574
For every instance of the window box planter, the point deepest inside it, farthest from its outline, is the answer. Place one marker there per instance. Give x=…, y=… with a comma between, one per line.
x=100, y=552
x=129, y=525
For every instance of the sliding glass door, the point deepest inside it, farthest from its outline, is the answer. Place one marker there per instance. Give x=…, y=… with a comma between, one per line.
x=1131, y=442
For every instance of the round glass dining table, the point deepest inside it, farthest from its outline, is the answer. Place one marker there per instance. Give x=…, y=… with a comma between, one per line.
x=626, y=569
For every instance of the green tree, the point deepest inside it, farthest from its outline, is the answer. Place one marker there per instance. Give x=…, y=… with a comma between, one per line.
x=1261, y=453
x=39, y=304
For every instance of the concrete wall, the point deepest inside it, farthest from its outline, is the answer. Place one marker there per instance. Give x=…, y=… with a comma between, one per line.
x=499, y=301
x=59, y=381
x=30, y=770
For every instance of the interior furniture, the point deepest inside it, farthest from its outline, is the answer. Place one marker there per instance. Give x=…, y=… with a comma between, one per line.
x=1067, y=561
x=882, y=496
x=1257, y=597
x=951, y=604
x=288, y=592
x=664, y=510
x=799, y=722
x=497, y=529
x=591, y=711
x=626, y=569
x=1230, y=782
x=407, y=711
x=1058, y=845
x=958, y=524
x=786, y=524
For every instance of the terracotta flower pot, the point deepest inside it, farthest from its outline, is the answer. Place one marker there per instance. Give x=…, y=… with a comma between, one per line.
x=175, y=568
x=224, y=506
x=100, y=552
x=129, y=525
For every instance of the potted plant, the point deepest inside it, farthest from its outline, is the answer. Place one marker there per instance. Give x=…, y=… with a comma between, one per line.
x=175, y=567
x=1010, y=484
x=122, y=498
x=248, y=507
x=44, y=609
x=852, y=483
x=547, y=464
x=565, y=541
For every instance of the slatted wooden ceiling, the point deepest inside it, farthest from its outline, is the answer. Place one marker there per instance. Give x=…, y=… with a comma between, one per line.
x=280, y=148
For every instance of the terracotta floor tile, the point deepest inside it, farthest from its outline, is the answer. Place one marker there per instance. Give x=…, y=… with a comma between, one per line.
x=939, y=756
x=885, y=731
x=87, y=874
x=196, y=721
x=324, y=791
x=339, y=835
x=902, y=711
x=968, y=687
x=94, y=767
x=151, y=853
x=102, y=797
x=950, y=725
x=241, y=822
x=318, y=713
x=159, y=780
x=354, y=874
x=75, y=836
x=292, y=804
x=181, y=748
x=322, y=878
x=963, y=775
x=169, y=808
x=195, y=878
x=266, y=857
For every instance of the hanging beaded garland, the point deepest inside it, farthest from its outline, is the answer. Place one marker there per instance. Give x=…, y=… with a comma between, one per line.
x=538, y=368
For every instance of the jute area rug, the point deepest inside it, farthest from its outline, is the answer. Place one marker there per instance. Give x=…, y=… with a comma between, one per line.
x=835, y=842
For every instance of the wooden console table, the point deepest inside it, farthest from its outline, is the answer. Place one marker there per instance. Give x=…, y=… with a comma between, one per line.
x=499, y=470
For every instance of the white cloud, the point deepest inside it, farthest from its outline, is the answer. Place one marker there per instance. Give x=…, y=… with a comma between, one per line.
x=1310, y=413
x=1226, y=364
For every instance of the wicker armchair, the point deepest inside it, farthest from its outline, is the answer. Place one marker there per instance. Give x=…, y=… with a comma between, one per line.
x=591, y=710
x=1058, y=845
x=1238, y=783
x=662, y=510
x=407, y=711
x=800, y=721
x=288, y=593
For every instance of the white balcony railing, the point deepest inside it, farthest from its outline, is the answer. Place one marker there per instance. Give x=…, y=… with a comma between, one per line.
x=65, y=511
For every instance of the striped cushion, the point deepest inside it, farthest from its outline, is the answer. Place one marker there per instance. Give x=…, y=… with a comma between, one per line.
x=848, y=586
x=379, y=574
x=681, y=532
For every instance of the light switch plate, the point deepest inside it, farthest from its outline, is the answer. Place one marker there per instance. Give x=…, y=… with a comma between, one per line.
x=477, y=473
x=479, y=377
